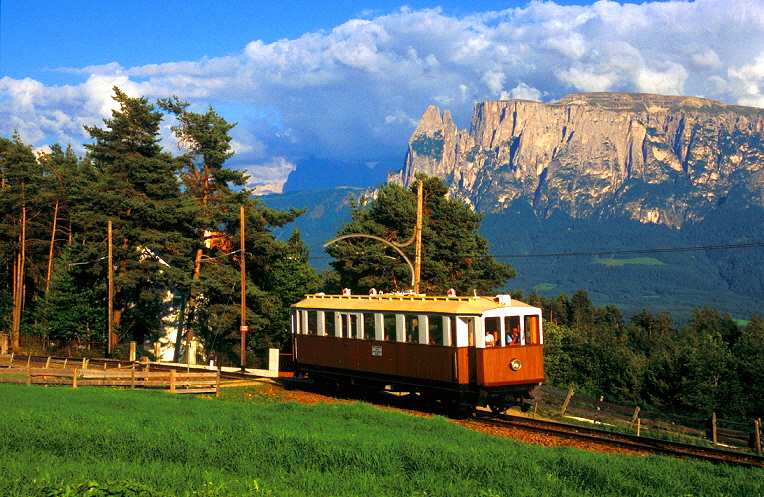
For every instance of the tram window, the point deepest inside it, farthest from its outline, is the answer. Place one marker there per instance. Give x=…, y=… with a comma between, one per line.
x=435, y=325
x=412, y=328
x=368, y=326
x=389, y=327
x=329, y=324
x=512, y=330
x=471, y=331
x=532, y=330
x=353, y=326
x=312, y=323
x=492, y=328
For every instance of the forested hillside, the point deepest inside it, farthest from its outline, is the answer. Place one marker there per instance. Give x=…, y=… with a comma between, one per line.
x=727, y=279
x=657, y=274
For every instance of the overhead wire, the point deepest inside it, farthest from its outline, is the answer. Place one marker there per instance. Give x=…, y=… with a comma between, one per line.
x=618, y=252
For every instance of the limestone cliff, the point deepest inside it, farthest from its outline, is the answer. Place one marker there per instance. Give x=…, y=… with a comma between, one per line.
x=656, y=159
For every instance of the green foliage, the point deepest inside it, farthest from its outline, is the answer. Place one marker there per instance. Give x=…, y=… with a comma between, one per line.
x=711, y=364
x=454, y=255
x=69, y=310
x=153, y=444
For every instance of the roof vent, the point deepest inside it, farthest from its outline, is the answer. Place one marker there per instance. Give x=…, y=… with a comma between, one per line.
x=346, y=291
x=504, y=299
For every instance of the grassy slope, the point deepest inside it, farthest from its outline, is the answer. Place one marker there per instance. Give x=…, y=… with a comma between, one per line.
x=177, y=445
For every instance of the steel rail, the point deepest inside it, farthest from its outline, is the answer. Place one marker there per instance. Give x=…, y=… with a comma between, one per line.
x=624, y=440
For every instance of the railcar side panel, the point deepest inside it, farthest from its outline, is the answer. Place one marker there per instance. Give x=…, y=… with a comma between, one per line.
x=493, y=365
x=428, y=362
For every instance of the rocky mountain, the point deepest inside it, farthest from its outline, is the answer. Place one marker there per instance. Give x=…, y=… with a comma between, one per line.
x=654, y=159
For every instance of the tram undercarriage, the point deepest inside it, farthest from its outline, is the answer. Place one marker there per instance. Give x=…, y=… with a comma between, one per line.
x=459, y=399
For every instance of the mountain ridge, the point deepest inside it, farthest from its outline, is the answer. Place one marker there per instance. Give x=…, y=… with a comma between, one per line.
x=657, y=159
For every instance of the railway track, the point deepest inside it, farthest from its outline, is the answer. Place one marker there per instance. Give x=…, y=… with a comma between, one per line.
x=624, y=441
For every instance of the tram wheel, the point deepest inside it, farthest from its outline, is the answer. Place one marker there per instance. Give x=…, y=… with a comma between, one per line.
x=497, y=407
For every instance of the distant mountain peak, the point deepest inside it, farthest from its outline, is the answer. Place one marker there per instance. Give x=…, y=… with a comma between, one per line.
x=653, y=158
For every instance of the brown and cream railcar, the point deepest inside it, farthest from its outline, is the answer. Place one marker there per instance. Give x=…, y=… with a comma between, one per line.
x=461, y=352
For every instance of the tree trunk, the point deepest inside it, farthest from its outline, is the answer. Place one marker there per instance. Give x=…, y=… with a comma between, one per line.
x=192, y=309
x=18, y=287
x=52, y=243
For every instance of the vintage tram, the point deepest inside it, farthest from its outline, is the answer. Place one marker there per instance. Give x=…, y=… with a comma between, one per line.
x=458, y=352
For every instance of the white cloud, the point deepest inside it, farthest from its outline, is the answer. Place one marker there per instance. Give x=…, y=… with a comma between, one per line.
x=355, y=92
x=268, y=177
x=523, y=92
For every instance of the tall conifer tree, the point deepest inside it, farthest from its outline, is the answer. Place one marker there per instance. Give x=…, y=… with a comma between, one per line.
x=454, y=255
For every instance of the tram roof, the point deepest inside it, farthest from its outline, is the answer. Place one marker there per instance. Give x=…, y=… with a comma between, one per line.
x=419, y=304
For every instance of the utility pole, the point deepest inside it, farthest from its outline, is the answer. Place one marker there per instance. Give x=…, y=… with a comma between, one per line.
x=243, y=328
x=416, y=268
x=418, y=246
x=110, y=332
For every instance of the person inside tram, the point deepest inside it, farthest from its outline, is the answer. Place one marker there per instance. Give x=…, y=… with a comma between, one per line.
x=513, y=335
x=490, y=341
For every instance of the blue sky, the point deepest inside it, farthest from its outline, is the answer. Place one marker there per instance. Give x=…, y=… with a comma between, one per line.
x=350, y=79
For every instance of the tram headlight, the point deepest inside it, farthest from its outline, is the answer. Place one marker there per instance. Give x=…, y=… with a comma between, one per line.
x=515, y=364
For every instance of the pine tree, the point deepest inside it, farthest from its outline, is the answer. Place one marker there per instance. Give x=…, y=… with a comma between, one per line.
x=454, y=255
x=216, y=193
x=133, y=183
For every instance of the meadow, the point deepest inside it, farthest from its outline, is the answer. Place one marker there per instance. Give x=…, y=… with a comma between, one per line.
x=107, y=442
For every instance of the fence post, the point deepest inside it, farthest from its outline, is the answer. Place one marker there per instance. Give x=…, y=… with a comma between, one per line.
x=635, y=416
x=639, y=426
x=157, y=351
x=29, y=375
x=757, y=431
x=132, y=351
x=74, y=378
x=567, y=401
x=172, y=381
x=713, y=427
x=132, y=378
x=47, y=363
x=66, y=359
x=535, y=408
x=3, y=343
x=84, y=363
x=217, y=384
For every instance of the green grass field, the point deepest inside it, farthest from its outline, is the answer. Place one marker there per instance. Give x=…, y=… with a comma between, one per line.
x=105, y=442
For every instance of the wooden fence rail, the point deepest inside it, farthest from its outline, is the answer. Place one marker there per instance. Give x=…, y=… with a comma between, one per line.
x=174, y=382
x=716, y=430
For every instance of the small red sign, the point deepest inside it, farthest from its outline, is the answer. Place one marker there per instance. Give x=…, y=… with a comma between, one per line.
x=244, y=329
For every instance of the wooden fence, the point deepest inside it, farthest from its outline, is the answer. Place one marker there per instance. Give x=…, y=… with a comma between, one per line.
x=77, y=373
x=718, y=431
